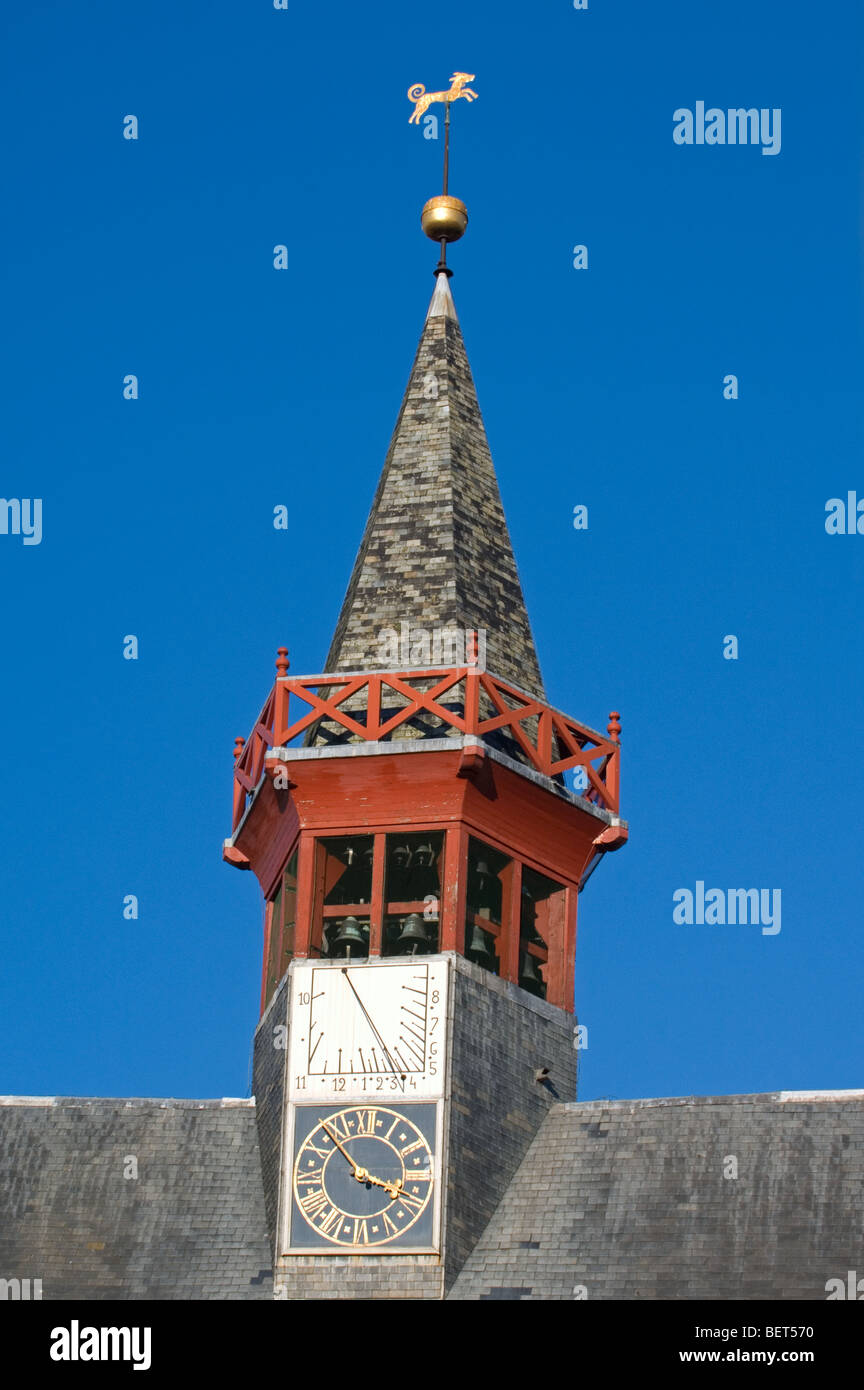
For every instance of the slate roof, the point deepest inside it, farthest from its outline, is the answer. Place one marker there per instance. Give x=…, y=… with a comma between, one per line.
x=619, y=1199
x=436, y=551
x=190, y=1226
x=628, y=1200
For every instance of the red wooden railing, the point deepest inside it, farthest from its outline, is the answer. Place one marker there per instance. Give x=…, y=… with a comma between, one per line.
x=550, y=741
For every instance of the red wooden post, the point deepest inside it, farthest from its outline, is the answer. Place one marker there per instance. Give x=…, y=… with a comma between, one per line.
x=510, y=926
x=376, y=907
x=544, y=743
x=613, y=770
x=373, y=708
x=307, y=894
x=556, y=942
x=472, y=701
x=568, y=982
x=451, y=906
x=281, y=711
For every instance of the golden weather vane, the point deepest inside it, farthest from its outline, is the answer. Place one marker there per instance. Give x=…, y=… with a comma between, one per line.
x=423, y=99
x=443, y=218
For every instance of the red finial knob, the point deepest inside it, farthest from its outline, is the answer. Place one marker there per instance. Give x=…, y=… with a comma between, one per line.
x=613, y=728
x=282, y=661
x=239, y=745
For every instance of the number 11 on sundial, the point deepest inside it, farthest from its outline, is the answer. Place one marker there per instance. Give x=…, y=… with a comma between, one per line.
x=371, y=1029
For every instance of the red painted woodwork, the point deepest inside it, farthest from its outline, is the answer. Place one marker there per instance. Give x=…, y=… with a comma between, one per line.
x=551, y=742
x=422, y=791
x=284, y=803
x=377, y=906
x=508, y=948
x=452, y=903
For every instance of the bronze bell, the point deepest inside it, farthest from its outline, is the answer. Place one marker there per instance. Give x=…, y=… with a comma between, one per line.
x=412, y=937
x=397, y=872
x=529, y=919
x=530, y=978
x=349, y=939
x=478, y=949
x=423, y=881
x=484, y=890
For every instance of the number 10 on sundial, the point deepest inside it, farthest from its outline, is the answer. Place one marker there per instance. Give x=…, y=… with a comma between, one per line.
x=368, y=1030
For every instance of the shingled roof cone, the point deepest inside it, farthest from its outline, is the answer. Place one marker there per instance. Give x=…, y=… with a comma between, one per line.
x=436, y=551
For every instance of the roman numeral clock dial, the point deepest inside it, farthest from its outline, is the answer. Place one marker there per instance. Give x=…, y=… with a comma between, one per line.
x=363, y=1176
x=365, y=1095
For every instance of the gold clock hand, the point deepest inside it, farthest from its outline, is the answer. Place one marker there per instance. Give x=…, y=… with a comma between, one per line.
x=343, y=1150
x=360, y=1173
x=393, y=1188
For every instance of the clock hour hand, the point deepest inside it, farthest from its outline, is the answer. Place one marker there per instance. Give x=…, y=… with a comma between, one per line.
x=394, y=1188
x=361, y=1174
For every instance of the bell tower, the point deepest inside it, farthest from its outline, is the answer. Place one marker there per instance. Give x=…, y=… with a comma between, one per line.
x=411, y=818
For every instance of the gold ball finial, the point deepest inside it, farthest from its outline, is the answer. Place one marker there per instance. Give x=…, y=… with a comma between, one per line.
x=444, y=218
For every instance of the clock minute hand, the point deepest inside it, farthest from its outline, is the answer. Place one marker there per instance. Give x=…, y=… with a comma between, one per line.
x=381, y=1042
x=360, y=1173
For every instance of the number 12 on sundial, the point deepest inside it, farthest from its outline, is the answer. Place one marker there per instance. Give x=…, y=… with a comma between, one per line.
x=372, y=1030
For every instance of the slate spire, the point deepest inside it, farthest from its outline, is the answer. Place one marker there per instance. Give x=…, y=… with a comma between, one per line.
x=436, y=551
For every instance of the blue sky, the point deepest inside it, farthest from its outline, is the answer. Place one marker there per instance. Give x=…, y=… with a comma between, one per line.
x=602, y=387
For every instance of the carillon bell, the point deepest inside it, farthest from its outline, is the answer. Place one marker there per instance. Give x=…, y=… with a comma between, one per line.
x=480, y=890
x=478, y=949
x=355, y=884
x=349, y=939
x=398, y=870
x=424, y=882
x=530, y=978
x=413, y=937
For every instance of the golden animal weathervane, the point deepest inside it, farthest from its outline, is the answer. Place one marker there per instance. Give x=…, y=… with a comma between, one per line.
x=443, y=219
x=423, y=99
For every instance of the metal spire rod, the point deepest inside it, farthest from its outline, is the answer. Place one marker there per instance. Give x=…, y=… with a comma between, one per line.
x=442, y=264
x=444, y=218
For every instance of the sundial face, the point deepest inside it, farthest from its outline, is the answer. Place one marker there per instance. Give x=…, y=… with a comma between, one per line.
x=375, y=1031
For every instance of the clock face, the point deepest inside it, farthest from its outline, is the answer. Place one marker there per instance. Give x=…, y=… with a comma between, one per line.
x=372, y=1030
x=363, y=1177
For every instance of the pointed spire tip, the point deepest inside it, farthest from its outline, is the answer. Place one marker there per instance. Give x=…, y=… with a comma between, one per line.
x=441, y=304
